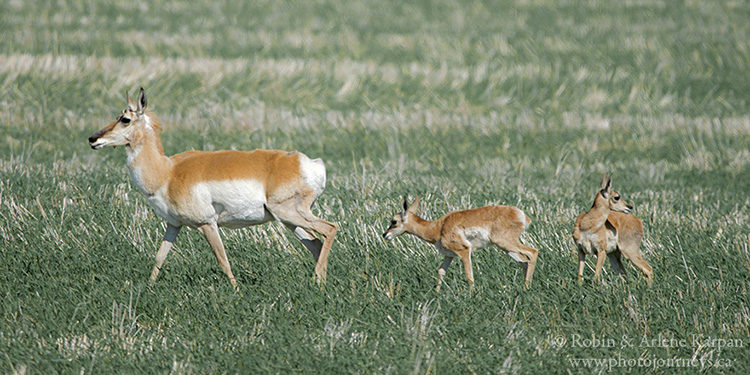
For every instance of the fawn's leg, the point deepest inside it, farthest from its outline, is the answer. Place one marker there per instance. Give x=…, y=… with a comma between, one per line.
x=442, y=270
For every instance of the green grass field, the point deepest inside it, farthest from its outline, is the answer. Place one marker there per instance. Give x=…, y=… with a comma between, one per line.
x=463, y=104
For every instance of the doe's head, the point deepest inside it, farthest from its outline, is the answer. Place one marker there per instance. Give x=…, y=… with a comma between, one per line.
x=401, y=219
x=125, y=128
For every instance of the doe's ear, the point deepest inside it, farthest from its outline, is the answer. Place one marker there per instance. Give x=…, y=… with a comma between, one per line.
x=406, y=204
x=142, y=102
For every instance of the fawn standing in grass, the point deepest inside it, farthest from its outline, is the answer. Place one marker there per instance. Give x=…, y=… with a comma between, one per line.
x=459, y=233
x=208, y=190
x=609, y=228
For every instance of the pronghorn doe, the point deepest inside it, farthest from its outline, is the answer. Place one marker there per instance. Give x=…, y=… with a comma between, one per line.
x=208, y=190
x=459, y=233
x=609, y=228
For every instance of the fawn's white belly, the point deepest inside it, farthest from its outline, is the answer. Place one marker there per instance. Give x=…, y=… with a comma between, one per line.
x=477, y=237
x=590, y=242
x=474, y=238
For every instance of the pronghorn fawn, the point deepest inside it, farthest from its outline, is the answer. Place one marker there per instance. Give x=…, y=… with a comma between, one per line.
x=208, y=190
x=459, y=233
x=609, y=228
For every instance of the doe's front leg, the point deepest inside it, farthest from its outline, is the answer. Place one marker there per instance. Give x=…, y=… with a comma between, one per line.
x=211, y=233
x=166, y=244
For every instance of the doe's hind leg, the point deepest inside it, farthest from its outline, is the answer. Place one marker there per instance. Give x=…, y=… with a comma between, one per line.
x=312, y=243
x=296, y=212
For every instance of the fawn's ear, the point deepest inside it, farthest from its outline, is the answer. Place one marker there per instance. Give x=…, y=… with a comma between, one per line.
x=131, y=105
x=414, y=206
x=406, y=204
x=606, y=182
x=142, y=102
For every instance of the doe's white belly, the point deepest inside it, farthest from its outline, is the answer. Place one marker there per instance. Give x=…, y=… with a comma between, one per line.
x=235, y=203
x=230, y=203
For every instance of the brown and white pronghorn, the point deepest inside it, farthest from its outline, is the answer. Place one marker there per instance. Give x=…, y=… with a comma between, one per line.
x=459, y=233
x=609, y=228
x=208, y=190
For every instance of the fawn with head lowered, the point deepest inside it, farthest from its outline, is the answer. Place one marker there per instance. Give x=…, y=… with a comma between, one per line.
x=610, y=229
x=208, y=190
x=459, y=233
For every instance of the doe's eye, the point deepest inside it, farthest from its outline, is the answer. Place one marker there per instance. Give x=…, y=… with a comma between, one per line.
x=125, y=120
x=393, y=222
x=617, y=198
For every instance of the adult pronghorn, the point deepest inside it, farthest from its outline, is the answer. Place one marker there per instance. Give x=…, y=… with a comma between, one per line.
x=459, y=233
x=208, y=190
x=609, y=229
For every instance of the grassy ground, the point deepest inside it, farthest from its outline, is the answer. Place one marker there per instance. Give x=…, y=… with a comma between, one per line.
x=463, y=103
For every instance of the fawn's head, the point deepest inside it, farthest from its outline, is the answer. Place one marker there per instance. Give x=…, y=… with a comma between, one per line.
x=128, y=125
x=401, y=219
x=612, y=199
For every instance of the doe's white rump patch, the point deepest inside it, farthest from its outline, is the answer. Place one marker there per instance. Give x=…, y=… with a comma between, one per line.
x=313, y=173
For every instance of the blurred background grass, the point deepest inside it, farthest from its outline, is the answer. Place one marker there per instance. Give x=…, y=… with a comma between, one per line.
x=462, y=103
